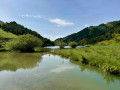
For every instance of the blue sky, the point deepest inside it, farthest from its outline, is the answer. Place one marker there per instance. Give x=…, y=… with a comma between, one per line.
x=59, y=18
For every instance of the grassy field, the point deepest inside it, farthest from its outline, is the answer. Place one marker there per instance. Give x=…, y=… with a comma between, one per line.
x=105, y=57
x=4, y=34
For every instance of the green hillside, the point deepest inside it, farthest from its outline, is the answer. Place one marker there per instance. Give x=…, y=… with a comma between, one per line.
x=18, y=29
x=4, y=34
x=93, y=34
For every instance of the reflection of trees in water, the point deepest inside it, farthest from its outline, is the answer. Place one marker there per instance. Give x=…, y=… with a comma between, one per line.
x=14, y=61
x=107, y=77
x=110, y=78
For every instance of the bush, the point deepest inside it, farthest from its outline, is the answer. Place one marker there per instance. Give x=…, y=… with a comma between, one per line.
x=2, y=49
x=24, y=43
x=73, y=44
x=62, y=45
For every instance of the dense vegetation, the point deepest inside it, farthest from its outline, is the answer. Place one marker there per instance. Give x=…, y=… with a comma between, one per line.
x=62, y=45
x=105, y=57
x=24, y=43
x=93, y=34
x=18, y=29
x=14, y=36
x=73, y=44
x=5, y=36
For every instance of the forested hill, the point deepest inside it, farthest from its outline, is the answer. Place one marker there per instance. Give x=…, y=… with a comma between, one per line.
x=18, y=29
x=93, y=34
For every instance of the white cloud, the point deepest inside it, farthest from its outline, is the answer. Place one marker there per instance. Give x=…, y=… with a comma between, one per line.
x=51, y=37
x=26, y=15
x=61, y=22
x=32, y=16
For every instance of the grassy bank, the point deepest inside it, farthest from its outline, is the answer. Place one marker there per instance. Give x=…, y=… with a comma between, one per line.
x=36, y=49
x=105, y=57
x=2, y=49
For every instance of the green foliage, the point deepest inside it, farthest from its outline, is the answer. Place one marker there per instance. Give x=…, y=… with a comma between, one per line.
x=47, y=42
x=8, y=35
x=2, y=49
x=62, y=45
x=18, y=29
x=73, y=44
x=24, y=43
x=5, y=36
x=41, y=49
x=93, y=34
x=105, y=57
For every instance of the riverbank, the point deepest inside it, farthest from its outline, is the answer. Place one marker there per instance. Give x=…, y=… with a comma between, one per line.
x=104, y=57
x=2, y=49
x=36, y=50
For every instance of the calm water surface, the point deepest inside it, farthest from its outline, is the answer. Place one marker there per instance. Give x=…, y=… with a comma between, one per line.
x=36, y=71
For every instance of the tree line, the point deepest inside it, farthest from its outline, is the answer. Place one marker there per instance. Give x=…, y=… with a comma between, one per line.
x=93, y=34
x=18, y=29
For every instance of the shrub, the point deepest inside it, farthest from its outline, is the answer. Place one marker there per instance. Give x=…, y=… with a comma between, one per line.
x=73, y=44
x=62, y=45
x=24, y=43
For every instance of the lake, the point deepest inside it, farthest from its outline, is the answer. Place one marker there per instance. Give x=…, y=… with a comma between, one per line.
x=41, y=71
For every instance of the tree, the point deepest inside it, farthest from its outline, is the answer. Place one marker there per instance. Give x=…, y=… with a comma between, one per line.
x=18, y=29
x=73, y=44
x=62, y=45
x=24, y=43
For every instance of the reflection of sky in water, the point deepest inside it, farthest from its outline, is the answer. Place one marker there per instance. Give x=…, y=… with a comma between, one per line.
x=61, y=69
x=49, y=72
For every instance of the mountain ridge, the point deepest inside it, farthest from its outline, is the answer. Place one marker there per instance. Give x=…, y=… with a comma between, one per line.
x=92, y=34
x=17, y=29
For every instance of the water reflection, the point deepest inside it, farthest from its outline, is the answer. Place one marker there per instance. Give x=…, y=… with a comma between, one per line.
x=110, y=78
x=14, y=61
x=36, y=71
x=107, y=77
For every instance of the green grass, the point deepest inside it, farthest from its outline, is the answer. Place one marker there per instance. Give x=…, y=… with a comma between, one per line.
x=4, y=37
x=4, y=34
x=41, y=49
x=105, y=57
x=2, y=49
